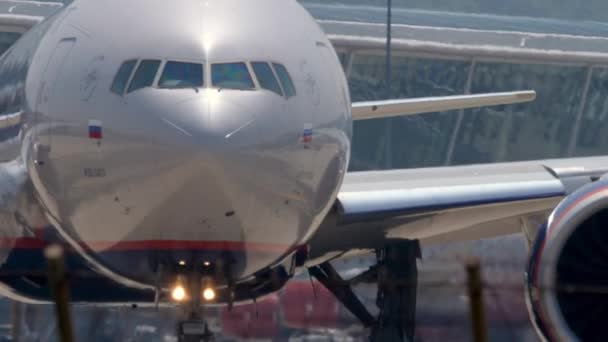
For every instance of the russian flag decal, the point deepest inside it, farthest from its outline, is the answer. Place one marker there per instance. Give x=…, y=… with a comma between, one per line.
x=307, y=133
x=95, y=130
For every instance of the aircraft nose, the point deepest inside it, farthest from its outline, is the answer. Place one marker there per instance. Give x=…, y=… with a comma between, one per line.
x=180, y=187
x=216, y=142
x=215, y=122
x=203, y=182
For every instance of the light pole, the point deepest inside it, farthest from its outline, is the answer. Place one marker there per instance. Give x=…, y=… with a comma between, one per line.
x=387, y=80
x=388, y=48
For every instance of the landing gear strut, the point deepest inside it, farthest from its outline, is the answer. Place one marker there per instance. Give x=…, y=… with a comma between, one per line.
x=194, y=328
x=397, y=285
x=341, y=289
x=396, y=274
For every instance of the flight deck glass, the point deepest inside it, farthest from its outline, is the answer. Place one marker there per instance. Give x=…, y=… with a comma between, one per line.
x=265, y=76
x=231, y=76
x=122, y=77
x=181, y=75
x=286, y=82
x=145, y=74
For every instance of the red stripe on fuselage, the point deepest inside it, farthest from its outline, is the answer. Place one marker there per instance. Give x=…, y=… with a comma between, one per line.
x=22, y=243
x=232, y=246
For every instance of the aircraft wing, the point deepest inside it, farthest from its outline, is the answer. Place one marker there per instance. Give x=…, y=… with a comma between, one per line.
x=11, y=120
x=448, y=203
x=400, y=107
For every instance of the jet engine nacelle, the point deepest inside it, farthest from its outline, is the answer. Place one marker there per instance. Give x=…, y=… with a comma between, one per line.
x=567, y=276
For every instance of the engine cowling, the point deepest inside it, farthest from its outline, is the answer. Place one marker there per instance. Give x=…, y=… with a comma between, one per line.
x=567, y=276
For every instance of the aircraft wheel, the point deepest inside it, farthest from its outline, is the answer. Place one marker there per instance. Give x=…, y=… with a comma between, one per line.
x=194, y=331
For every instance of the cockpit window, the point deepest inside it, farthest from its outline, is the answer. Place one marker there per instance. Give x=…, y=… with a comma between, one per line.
x=266, y=77
x=231, y=76
x=145, y=74
x=122, y=77
x=285, y=79
x=181, y=75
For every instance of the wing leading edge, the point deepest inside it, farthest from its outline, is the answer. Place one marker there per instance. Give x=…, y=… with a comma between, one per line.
x=390, y=108
x=449, y=203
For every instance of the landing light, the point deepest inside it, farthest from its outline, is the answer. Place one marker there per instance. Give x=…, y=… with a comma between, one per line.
x=178, y=293
x=209, y=294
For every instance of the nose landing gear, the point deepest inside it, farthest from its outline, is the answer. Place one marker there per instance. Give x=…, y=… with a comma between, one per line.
x=194, y=328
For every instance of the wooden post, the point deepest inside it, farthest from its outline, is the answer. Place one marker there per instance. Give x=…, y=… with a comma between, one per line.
x=59, y=285
x=17, y=320
x=475, y=287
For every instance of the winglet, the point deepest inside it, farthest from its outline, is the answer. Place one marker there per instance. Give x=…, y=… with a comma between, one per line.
x=390, y=108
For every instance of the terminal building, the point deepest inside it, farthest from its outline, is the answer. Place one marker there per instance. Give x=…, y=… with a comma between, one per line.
x=565, y=62
x=568, y=71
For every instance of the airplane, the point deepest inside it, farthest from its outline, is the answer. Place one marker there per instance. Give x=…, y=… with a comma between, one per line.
x=195, y=154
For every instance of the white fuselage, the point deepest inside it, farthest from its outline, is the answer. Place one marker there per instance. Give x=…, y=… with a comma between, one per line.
x=208, y=170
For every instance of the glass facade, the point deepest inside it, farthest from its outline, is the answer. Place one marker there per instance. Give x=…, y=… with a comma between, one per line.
x=377, y=143
x=568, y=118
x=540, y=129
x=591, y=138
x=7, y=39
x=438, y=53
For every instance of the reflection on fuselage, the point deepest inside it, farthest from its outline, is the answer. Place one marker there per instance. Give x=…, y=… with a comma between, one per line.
x=222, y=165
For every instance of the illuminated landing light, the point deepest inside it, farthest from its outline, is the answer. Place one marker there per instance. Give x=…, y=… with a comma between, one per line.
x=206, y=263
x=182, y=263
x=178, y=293
x=209, y=294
